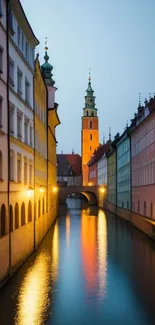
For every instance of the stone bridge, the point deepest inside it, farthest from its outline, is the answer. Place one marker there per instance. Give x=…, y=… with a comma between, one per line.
x=94, y=194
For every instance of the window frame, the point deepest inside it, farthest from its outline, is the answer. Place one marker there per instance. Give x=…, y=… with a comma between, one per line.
x=11, y=78
x=19, y=81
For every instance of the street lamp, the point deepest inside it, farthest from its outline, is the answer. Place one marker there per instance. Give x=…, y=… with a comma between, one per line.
x=29, y=191
x=42, y=189
x=102, y=189
x=55, y=189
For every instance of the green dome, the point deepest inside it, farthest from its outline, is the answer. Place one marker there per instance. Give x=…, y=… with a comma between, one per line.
x=46, y=70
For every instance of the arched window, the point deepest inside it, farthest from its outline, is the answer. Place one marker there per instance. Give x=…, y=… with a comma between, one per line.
x=11, y=217
x=1, y=165
x=91, y=124
x=16, y=216
x=3, y=220
x=11, y=165
x=23, y=214
x=43, y=206
x=92, y=113
x=87, y=113
x=38, y=208
x=29, y=211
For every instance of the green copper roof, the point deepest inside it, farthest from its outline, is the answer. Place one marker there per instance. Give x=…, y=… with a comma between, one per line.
x=90, y=98
x=46, y=70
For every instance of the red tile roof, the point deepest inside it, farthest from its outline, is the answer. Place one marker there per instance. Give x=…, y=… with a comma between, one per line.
x=75, y=161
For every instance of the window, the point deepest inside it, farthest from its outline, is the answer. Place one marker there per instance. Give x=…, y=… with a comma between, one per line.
x=19, y=81
x=27, y=91
x=91, y=124
x=92, y=113
x=22, y=41
x=11, y=72
x=26, y=130
x=38, y=208
x=11, y=23
x=90, y=148
x=91, y=137
x=1, y=116
x=12, y=165
x=19, y=124
x=43, y=206
x=144, y=208
x=25, y=170
x=19, y=168
x=18, y=36
x=26, y=50
x=87, y=113
x=31, y=136
x=1, y=60
x=11, y=112
x=1, y=166
x=1, y=13
x=30, y=174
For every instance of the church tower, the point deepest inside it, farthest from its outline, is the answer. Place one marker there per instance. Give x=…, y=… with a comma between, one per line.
x=90, y=130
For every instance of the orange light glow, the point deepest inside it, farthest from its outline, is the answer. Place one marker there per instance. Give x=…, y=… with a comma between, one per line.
x=55, y=189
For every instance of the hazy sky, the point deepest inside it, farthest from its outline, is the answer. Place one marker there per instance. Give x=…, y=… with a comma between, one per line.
x=115, y=38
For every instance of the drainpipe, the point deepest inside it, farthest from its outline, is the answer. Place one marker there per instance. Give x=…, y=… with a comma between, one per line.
x=8, y=126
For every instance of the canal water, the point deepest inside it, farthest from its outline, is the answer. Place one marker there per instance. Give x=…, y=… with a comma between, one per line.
x=91, y=269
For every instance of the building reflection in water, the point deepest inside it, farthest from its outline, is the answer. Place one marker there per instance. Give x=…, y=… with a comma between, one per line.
x=102, y=253
x=34, y=296
x=68, y=230
x=94, y=257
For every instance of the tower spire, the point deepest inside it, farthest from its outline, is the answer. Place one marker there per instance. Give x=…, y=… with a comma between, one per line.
x=89, y=78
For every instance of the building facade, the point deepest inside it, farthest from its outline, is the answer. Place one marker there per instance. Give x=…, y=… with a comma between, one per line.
x=53, y=122
x=111, y=179
x=90, y=131
x=123, y=171
x=102, y=170
x=40, y=129
x=143, y=161
x=22, y=42
x=69, y=169
x=4, y=217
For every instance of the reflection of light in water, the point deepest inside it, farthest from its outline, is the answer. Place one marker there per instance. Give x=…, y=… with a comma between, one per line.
x=68, y=229
x=55, y=252
x=102, y=252
x=33, y=299
x=88, y=242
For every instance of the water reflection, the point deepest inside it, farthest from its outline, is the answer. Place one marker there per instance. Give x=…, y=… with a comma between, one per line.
x=33, y=300
x=55, y=253
x=102, y=253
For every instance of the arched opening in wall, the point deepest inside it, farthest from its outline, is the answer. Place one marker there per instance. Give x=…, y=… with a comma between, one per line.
x=11, y=217
x=43, y=206
x=23, y=221
x=151, y=210
x=1, y=166
x=16, y=216
x=144, y=208
x=38, y=208
x=29, y=211
x=92, y=114
x=3, y=220
x=87, y=113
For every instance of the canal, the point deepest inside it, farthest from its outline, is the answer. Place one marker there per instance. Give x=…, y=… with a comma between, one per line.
x=91, y=269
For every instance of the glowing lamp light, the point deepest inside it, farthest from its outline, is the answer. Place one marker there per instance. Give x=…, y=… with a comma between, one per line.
x=42, y=189
x=102, y=190
x=55, y=189
x=90, y=184
x=29, y=191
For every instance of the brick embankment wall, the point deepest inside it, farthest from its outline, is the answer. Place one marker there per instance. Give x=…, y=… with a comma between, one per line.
x=140, y=222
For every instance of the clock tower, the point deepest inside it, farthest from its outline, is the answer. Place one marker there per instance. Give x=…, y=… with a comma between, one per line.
x=90, y=130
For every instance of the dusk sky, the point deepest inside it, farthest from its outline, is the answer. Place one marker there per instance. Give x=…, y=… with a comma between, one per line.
x=115, y=38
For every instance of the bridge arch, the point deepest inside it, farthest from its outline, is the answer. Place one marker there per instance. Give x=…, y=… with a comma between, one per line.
x=89, y=193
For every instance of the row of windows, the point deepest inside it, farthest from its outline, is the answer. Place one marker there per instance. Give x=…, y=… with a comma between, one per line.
x=23, y=85
x=143, y=208
x=143, y=143
x=123, y=147
x=18, y=119
x=147, y=127
x=144, y=175
x=123, y=160
x=18, y=164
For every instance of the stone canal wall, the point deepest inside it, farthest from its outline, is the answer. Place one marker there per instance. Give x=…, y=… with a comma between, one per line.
x=145, y=225
x=23, y=241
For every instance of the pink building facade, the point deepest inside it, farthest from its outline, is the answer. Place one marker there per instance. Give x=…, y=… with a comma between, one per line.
x=143, y=161
x=4, y=222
